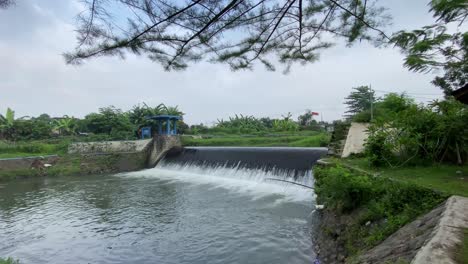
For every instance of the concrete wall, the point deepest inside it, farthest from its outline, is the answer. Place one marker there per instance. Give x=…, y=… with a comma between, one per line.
x=162, y=144
x=109, y=146
x=357, y=135
x=150, y=150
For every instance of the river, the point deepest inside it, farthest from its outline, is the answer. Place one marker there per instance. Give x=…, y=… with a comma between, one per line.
x=169, y=214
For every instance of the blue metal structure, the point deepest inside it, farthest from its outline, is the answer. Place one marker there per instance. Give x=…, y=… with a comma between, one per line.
x=170, y=122
x=145, y=132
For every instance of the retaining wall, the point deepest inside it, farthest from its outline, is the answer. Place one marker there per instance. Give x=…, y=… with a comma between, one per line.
x=357, y=136
x=109, y=146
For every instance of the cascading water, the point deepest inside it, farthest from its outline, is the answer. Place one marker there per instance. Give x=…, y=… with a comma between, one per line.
x=280, y=170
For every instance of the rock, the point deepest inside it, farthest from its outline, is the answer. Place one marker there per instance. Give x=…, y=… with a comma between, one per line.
x=47, y=165
x=37, y=164
x=368, y=223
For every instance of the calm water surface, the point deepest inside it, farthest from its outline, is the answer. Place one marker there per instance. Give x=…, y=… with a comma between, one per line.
x=162, y=215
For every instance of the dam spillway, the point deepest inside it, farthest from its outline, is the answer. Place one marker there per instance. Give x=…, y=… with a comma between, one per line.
x=286, y=159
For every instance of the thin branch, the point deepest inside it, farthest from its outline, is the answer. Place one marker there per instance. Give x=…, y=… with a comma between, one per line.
x=360, y=19
x=273, y=31
x=141, y=33
x=90, y=24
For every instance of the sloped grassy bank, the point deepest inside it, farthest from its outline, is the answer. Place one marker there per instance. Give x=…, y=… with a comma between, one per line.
x=362, y=210
x=78, y=164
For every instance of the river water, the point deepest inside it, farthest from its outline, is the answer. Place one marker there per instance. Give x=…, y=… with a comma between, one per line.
x=169, y=214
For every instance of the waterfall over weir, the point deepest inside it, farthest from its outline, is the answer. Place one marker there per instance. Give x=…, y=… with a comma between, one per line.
x=259, y=164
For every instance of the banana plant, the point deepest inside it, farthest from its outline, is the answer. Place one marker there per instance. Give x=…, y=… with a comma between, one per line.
x=8, y=119
x=65, y=125
x=6, y=123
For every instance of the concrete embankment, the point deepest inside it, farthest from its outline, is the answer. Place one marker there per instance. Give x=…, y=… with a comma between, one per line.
x=432, y=238
x=93, y=158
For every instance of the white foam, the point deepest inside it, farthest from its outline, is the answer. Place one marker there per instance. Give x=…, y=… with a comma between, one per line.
x=253, y=182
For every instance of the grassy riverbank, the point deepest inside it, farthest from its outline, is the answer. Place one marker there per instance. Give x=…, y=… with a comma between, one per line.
x=461, y=255
x=70, y=165
x=33, y=148
x=304, y=139
x=363, y=210
x=449, y=179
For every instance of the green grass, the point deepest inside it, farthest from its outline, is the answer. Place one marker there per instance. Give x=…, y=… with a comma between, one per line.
x=32, y=148
x=8, y=261
x=443, y=178
x=386, y=204
x=461, y=255
x=310, y=140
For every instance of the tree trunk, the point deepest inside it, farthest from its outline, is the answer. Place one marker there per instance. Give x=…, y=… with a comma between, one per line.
x=459, y=160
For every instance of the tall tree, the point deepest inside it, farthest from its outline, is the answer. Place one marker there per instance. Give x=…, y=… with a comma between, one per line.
x=236, y=32
x=359, y=100
x=434, y=48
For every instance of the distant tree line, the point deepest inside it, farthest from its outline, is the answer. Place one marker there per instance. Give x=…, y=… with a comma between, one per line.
x=114, y=123
x=109, y=123
x=244, y=124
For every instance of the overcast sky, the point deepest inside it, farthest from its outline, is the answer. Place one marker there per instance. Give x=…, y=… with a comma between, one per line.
x=34, y=78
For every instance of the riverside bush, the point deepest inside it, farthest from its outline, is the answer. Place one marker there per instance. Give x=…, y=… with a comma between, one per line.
x=385, y=203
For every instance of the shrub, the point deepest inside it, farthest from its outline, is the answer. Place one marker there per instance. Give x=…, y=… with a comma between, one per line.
x=9, y=261
x=387, y=204
x=420, y=134
x=342, y=190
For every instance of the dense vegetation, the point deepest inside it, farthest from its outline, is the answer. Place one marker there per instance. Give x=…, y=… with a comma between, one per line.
x=108, y=123
x=403, y=132
x=381, y=205
x=43, y=135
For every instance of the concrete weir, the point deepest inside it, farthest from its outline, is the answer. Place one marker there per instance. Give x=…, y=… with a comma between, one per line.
x=145, y=153
x=264, y=158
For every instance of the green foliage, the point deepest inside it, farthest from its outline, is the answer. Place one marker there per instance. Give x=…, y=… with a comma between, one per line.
x=446, y=178
x=65, y=125
x=385, y=203
x=461, y=254
x=341, y=190
x=418, y=134
x=107, y=120
x=31, y=129
x=434, y=48
x=6, y=123
x=285, y=124
x=9, y=261
x=387, y=107
x=306, y=121
x=32, y=148
x=360, y=100
x=240, y=124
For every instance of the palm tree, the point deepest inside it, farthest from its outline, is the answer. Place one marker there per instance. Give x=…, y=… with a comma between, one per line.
x=172, y=110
